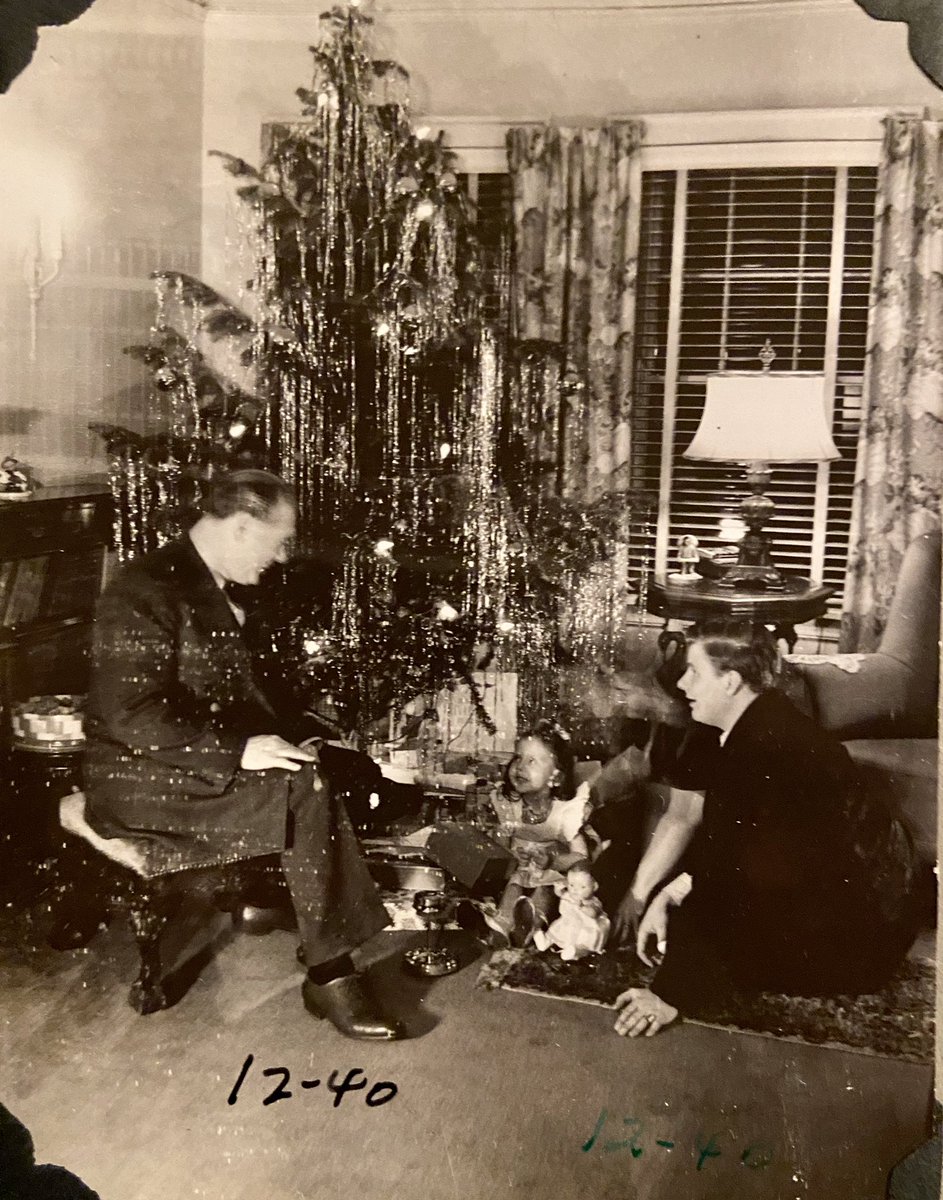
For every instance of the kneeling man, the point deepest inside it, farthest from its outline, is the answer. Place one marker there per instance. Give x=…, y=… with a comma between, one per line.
x=186, y=754
x=796, y=879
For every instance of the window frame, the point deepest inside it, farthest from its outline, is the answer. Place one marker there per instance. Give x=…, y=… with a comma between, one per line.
x=682, y=142
x=814, y=495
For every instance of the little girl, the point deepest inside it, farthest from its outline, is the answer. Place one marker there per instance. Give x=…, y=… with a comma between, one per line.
x=543, y=820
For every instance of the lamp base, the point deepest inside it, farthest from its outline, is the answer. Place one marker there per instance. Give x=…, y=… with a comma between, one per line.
x=752, y=578
x=754, y=570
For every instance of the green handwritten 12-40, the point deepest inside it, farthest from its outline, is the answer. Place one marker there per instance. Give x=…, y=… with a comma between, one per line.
x=705, y=1147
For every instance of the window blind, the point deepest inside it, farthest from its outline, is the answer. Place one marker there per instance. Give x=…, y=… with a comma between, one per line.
x=729, y=259
x=489, y=194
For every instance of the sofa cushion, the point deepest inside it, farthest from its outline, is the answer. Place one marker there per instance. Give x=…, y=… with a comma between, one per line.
x=881, y=699
x=905, y=769
x=911, y=758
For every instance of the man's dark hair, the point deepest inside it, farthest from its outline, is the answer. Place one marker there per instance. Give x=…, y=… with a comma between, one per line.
x=250, y=491
x=736, y=645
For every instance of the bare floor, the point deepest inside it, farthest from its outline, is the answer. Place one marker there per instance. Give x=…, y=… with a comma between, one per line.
x=498, y=1094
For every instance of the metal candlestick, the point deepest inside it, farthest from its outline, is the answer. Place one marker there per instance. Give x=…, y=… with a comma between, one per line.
x=435, y=908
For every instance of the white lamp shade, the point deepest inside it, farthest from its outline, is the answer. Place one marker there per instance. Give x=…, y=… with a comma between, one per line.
x=761, y=417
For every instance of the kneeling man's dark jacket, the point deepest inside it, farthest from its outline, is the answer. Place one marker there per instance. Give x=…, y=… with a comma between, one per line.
x=802, y=880
x=171, y=704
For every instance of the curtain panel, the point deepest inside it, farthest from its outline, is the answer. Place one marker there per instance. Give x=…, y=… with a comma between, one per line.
x=576, y=205
x=900, y=456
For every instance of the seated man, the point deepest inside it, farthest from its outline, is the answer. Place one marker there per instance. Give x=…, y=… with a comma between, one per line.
x=187, y=755
x=795, y=880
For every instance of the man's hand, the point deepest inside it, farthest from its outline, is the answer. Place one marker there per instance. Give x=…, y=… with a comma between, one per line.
x=653, y=928
x=625, y=921
x=643, y=1013
x=268, y=750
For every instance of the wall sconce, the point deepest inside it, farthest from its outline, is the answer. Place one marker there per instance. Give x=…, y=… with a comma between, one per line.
x=41, y=265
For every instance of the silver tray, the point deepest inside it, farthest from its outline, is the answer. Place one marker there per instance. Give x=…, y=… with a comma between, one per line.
x=403, y=875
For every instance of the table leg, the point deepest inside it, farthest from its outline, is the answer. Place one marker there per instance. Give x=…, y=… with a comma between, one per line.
x=674, y=648
x=788, y=633
x=671, y=637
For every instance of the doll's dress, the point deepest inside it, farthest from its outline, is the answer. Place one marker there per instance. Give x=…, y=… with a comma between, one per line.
x=581, y=928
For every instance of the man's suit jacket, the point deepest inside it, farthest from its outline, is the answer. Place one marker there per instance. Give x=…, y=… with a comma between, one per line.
x=171, y=703
x=790, y=841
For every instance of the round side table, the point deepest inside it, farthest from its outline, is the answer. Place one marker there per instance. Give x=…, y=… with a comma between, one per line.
x=799, y=600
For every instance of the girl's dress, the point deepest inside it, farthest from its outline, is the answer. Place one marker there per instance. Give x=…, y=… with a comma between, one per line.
x=561, y=825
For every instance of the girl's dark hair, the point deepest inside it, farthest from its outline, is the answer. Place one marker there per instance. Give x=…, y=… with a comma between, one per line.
x=736, y=645
x=557, y=741
x=250, y=491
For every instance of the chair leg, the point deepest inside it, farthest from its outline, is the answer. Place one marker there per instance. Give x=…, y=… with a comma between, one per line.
x=78, y=897
x=147, y=923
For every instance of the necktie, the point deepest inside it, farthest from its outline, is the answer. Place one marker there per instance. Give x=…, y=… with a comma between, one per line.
x=237, y=610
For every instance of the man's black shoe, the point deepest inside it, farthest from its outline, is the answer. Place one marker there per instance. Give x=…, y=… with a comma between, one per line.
x=347, y=1004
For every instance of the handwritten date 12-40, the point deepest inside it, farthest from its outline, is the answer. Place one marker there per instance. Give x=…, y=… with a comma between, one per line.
x=381, y=1092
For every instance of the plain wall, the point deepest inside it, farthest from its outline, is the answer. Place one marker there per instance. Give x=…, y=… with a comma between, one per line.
x=565, y=60
x=102, y=138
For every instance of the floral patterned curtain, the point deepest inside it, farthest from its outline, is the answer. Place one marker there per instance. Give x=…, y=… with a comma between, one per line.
x=900, y=459
x=576, y=200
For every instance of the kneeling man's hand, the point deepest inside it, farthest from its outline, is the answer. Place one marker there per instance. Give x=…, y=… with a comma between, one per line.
x=625, y=921
x=268, y=750
x=653, y=927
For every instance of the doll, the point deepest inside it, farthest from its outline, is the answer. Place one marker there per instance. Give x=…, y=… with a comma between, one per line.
x=582, y=927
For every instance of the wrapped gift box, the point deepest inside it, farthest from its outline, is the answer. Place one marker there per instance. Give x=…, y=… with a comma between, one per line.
x=462, y=732
x=471, y=857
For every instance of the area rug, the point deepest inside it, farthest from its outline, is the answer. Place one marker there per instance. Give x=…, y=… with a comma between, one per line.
x=894, y=1023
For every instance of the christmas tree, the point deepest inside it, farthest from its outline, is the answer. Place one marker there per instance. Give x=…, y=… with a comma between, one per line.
x=373, y=369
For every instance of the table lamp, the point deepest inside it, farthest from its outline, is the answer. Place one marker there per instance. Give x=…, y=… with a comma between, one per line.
x=759, y=418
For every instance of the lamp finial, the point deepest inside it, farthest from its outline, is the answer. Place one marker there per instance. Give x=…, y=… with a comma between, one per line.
x=767, y=355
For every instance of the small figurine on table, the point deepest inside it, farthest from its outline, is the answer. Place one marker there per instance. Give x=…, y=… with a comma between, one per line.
x=688, y=556
x=14, y=478
x=582, y=927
